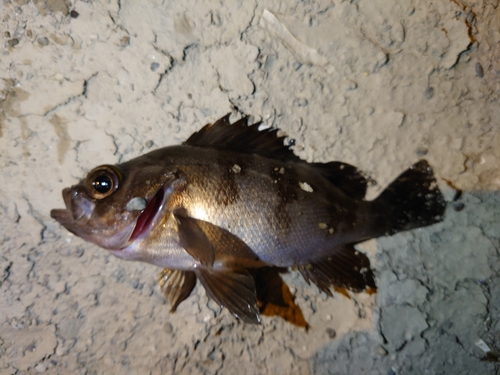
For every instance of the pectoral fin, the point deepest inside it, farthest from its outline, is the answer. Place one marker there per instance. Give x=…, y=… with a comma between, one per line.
x=345, y=268
x=230, y=285
x=194, y=240
x=233, y=289
x=206, y=242
x=176, y=285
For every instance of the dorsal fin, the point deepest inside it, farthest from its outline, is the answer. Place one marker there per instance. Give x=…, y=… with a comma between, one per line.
x=347, y=178
x=245, y=138
x=242, y=137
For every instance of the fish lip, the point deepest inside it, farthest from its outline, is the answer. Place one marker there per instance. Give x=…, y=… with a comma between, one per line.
x=148, y=219
x=78, y=208
x=61, y=215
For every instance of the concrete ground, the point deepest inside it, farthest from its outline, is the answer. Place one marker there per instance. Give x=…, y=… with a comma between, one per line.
x=379, y=84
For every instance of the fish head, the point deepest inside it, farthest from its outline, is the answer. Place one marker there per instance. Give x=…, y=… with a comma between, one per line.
x=115, y=205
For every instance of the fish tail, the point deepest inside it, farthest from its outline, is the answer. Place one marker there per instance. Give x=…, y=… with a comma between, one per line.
x=413, y=200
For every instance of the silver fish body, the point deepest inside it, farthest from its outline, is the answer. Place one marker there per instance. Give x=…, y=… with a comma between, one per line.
x=233, y=198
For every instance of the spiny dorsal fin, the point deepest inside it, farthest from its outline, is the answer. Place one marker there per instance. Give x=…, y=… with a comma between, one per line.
x=242, y=137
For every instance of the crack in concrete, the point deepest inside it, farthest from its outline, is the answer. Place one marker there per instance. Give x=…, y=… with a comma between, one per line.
x=172, y=63
x=6, y=272
x=32, y=212
x=71, y=98
x=254, y=14
x=117, y=147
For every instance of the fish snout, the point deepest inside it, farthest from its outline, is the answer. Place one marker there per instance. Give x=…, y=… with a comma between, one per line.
x=79, y=207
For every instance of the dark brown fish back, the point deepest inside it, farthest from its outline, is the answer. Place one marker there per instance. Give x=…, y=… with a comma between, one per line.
x=244, y=138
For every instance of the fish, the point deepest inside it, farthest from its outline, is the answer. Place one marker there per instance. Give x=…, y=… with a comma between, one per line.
x=234, y=198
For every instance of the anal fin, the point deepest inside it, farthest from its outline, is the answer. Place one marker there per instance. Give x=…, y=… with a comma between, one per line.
x=233, y=288
x=176, y=285
x=344, y=268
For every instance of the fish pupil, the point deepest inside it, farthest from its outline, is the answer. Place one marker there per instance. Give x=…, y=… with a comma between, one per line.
x=102, y=184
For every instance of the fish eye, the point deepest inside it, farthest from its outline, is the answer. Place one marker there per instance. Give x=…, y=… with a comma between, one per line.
x=103, y=181
x=102, y=184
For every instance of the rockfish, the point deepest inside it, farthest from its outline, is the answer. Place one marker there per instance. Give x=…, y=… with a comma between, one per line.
x=232, y=198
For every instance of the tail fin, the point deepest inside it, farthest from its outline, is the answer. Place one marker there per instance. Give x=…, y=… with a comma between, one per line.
x=413, y=200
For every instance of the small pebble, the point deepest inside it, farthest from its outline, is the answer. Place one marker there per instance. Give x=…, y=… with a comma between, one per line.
x=381, y=351
x=40, y=367
x=331, y=333
x=43, y=41
x=168, y=328
x=154, y=66
x=429, y=92
x=79, y=251
x=13, y=42
x=149, y=144
x=471, y=18
x=421, y=151
x=20, y=31
x=6, y=34
x=458, y=206
x=479, y=70
x=125, y=41
x=299, y=102
x=74, y=14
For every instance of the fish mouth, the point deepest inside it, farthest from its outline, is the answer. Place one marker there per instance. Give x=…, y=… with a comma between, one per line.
x=148, y=218
x=78, y=209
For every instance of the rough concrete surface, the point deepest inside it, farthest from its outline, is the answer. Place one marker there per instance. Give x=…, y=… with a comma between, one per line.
x=375, y=83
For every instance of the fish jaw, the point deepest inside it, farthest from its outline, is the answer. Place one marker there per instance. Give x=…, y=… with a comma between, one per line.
x=77, y=218
x=78, y=210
